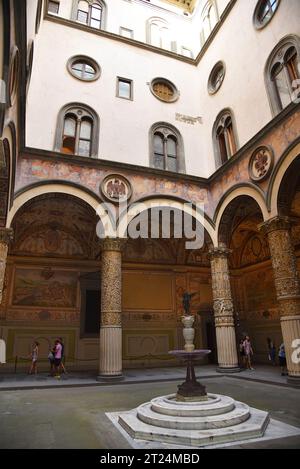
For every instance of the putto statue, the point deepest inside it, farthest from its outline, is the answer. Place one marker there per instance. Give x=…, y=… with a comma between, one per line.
x=186, y=301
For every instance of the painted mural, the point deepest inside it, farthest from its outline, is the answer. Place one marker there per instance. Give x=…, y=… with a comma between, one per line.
x=39, y=288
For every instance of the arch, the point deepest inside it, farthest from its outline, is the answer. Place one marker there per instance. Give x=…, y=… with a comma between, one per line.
x=230, y=136
x=162, y=28
x=56, y=188
x=243, y=190
x=163, y=202
x=100, y=3
x=167, y=130
x=209, y=19
x=86, y=113
x=275, y=58
x=285, y=161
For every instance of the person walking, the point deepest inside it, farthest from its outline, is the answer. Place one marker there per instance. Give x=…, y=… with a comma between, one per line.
x=272, y=352
x=57, y=357
x=34, y=357
x=248, y=353
x=62, y=365
x=242, y=353
x=282, y=360
x=51, y=358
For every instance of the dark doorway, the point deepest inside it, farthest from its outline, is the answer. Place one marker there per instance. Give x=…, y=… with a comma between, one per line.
x=211, y=342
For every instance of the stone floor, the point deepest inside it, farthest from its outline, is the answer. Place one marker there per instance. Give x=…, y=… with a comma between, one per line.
x=49, y=416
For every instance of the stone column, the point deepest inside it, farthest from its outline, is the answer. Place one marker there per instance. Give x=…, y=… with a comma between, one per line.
x=110, y=359
x=287, y=286
x=223, y=308
x=6, y=235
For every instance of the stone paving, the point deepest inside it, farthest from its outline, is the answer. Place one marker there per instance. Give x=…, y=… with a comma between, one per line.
x=51, y=416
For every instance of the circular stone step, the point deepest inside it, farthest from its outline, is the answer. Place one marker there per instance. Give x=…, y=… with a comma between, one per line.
x=239, y=414
x=215, y=405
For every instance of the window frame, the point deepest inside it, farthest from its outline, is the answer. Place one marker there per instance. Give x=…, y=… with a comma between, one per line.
x=210, y=87
x=124, y=80
x=89, y=61
x=86, y=113
x=167, y=131
x=220, y=122
x=256, y=22
x=277, y=56
x=52, y=12
x=101, y=4
x=166, y=82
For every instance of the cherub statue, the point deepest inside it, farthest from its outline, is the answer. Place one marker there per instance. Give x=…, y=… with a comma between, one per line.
x=186, y=301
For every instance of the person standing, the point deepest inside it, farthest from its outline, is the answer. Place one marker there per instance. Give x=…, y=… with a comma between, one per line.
x=62, y=365
x=272, y=352
x=242, y=353
x=248, y=352
x=282, y=360
x=34, y=358
x=57, y=356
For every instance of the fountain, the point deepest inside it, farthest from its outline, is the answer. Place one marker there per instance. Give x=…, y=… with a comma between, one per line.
x=193, y=417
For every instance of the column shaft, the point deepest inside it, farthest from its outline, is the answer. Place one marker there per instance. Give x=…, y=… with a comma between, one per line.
x=110, y=359
x=223, y=309
x=287, y=285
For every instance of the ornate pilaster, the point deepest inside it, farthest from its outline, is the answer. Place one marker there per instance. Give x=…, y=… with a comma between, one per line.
x=110, y=359
x=223, y=308
x=6, y=235
x=286, y=283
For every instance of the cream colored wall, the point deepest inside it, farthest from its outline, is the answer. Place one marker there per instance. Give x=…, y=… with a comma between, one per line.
x=124, y=125
x=245, y=52
x=123, y=134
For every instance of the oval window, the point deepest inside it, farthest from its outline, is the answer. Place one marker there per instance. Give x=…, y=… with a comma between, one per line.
x=84, y=68
x=164, y=90
x=216, y=78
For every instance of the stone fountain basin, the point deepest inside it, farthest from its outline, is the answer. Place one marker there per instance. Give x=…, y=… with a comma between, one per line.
x=214, y=405
x=200, y=353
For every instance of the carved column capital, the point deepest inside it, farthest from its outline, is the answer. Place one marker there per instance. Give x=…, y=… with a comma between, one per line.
x=219, y=252
x=112, y=244
x=6, y=235
x=275, y=224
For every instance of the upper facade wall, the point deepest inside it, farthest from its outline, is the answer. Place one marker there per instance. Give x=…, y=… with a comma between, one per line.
x=125, y=124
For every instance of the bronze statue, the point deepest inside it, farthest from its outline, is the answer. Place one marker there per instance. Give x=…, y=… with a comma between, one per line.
x=186, y=301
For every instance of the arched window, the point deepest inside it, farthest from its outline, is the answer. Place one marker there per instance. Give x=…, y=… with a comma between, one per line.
x=224, y=137
x=210, y=18
x=158, y=33
x=283, y=72
x=77, y=131
x=90, y=12
x=166, y=148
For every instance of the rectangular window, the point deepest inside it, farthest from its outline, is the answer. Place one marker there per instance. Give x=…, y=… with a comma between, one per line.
x=124, y=88
x=53, y=7
x=125, y=32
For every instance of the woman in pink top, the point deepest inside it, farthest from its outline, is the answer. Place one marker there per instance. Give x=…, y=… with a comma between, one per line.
x=57, y=356
x=248, y=352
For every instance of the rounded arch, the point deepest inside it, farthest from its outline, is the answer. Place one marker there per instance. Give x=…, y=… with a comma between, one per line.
x=81, y=111
x=162, y=202
x=234, y=194
x=55, y=188
x=285, y=161
x=167, y=130
x=222, y=150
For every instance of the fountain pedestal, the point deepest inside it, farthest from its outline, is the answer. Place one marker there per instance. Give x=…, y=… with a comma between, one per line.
x=191, y=389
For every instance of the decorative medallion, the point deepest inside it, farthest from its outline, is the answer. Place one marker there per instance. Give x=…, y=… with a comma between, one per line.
x=261, y=163
x=116, y=188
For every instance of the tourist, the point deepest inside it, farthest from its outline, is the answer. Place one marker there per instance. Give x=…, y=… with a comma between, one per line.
x=57, y=357
x=242, y=353
x=282, y=359
x=34, y=357
x=248, y=352
x=62, y=365
x=272, y=351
